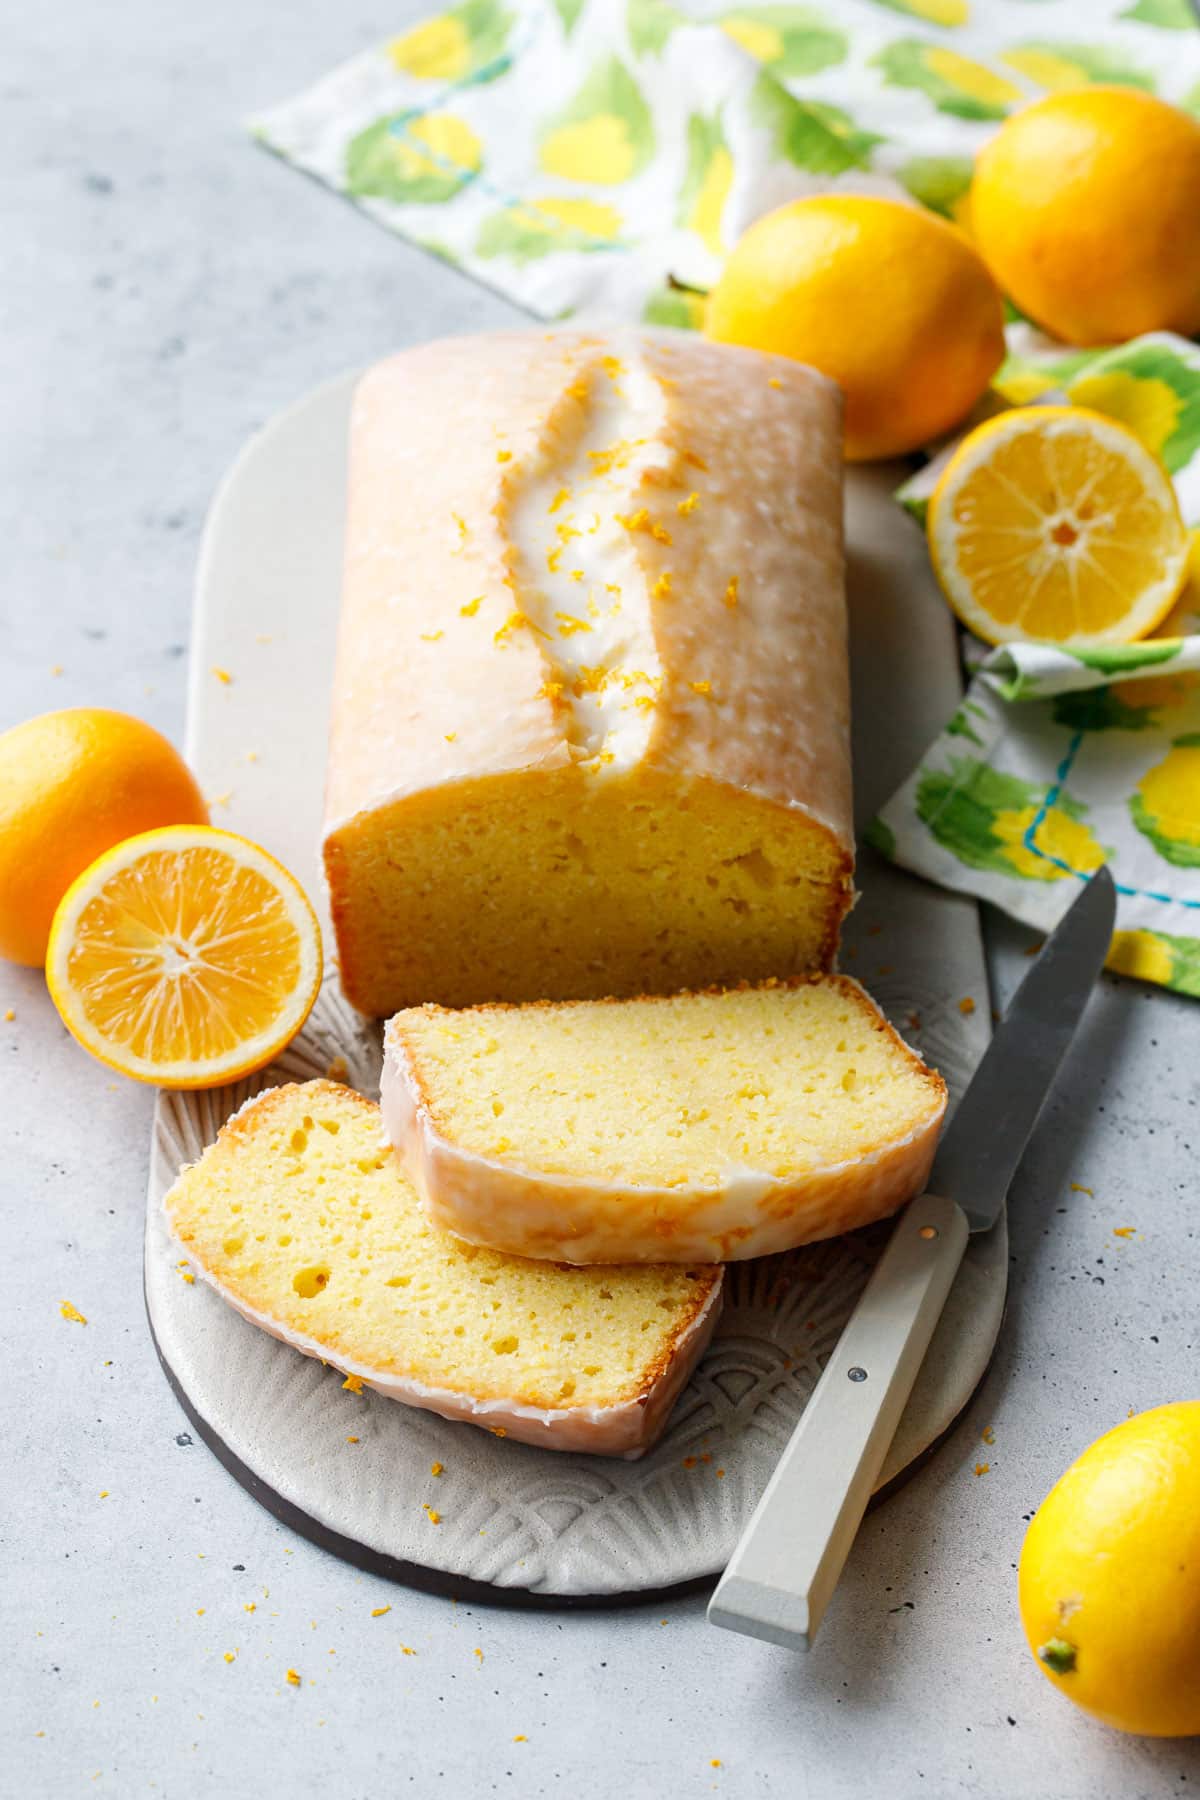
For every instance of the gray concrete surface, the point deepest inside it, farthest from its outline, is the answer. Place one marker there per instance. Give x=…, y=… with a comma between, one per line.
x=165, y=288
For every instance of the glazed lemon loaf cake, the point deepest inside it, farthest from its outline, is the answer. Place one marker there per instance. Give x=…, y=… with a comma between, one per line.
x=589, y=729
x=301, y=1218
x=700, y=1127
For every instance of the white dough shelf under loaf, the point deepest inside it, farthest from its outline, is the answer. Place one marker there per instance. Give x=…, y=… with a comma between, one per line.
x=590, y=711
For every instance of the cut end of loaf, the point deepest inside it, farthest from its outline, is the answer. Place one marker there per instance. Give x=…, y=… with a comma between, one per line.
x=300, y=1215
x=569, y=884
x=720, y=1124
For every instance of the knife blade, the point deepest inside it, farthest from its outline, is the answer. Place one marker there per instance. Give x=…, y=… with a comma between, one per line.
x=994, y=1120
x=786, y=1566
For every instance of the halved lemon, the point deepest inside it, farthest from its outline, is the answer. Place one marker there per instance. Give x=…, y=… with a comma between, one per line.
x=185, y=957
x=1055, y=524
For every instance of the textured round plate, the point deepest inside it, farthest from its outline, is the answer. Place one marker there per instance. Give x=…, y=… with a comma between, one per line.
x=524, y=1522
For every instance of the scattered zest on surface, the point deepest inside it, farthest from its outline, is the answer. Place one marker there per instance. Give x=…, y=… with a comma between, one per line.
x=70, y=1312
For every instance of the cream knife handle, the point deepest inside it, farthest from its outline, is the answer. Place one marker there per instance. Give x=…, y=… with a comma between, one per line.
x=784, y=1570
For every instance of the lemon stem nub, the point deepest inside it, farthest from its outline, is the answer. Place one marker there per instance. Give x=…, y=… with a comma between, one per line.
x=1058, y=1655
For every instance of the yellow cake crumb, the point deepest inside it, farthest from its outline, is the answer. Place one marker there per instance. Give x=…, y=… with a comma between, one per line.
x=684, y=507
x=714, y=1762
x=662, y=587
x=988, y=1435
x=72, y=1312
x=982, y=1468
x=966, y=1006
x=568, y=624
x=1077, y=1187
x=1124, y=1231
x=250, y=1606
x=436, y=1468
x=503, y=456
x=222, y=675
x=353, y=1384
x=451, y=737
x=9, y=1015
x=730, y=595
x=352, y=1440
x=431, y=637
x=700, y=687
x=435, y=1518
x=773, y=381
x=520, y=1738
x=471, y=607
x=186, y=1275
x=292, y=1678
x=230, y=1655
x=478, y=1652
x=377, y=1612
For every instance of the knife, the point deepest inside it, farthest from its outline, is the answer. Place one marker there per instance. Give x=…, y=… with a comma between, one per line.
x=786, y=1566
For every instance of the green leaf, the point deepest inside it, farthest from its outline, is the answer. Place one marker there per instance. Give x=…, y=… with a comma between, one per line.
x=789, y=40
x=569, y=11
x=605, y=134
x=413, y=157
x=1116, y=659
x=650, y=24
x=963, y=89
x=1177, y=851
x=1151, y=360
x=523, y=234
x=1092, y=60
x=809, y=133
x=961, y=726
x=931, y=12
x=1185, y=962
x=671, y=306
x=1170, y=15
x=960, y=806
x=1099, y=709
x=938, y=182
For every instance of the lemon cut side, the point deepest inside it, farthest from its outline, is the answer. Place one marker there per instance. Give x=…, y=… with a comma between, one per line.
x=185, y=957
x=1055, y=524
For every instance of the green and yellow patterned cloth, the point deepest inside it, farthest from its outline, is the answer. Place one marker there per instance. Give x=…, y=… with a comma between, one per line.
x=1058, y=760
x=579, y=155
x=598, y=158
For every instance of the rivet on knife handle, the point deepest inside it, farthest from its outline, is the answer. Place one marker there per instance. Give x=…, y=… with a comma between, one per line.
x=788, y=1562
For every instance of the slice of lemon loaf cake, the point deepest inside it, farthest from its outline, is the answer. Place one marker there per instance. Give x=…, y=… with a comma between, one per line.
x=589, y=729
x=697, y=1127
x=302, y=1219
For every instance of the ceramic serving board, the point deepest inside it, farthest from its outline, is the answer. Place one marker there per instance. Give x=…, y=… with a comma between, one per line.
x=353, y=1471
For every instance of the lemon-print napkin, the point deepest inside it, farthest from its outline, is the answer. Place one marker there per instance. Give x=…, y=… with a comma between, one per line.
x=1058, y=760
x=599, y=158
x=585, y=156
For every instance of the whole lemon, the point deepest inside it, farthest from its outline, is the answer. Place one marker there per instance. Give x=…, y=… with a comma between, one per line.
x=1086, y=208
x=72, y=784
x=1109, y=1582
x=889, y=300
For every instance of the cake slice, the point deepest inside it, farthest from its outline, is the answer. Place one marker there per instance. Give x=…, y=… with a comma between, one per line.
x=301, y=1218
x=695, y=1128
